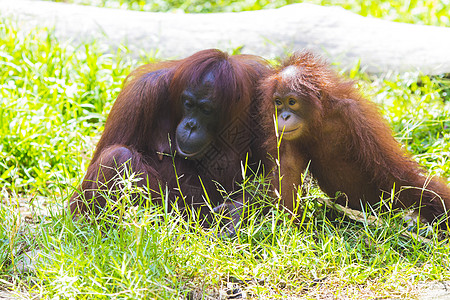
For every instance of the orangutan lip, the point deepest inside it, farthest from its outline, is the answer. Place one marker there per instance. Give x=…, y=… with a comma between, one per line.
x=190, y=155
x=289, y=131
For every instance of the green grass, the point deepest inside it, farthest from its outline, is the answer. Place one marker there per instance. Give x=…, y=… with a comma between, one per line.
x=54, y=99
x=429, y=12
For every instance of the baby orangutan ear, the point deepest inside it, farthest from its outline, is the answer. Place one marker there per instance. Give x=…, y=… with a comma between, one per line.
x=320, y=95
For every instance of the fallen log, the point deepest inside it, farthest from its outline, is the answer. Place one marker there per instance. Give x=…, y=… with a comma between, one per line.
x=342, y=36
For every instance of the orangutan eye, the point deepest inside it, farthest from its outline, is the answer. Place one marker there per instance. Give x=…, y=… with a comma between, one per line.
x=206, y=110
x=278, y=102
x=188, y=104
x=292, y=101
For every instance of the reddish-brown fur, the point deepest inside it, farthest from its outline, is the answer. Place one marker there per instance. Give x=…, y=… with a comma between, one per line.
x=146, y=114
x=348, y=144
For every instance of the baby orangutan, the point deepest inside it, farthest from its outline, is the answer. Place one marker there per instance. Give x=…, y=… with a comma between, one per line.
x=322, y=120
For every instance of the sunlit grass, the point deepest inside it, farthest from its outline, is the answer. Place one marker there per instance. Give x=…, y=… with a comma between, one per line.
x=53, y=101
x=429, y=12
x=154, y=254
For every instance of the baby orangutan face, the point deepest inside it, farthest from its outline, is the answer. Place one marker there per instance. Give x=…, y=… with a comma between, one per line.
x=290, y=122
x=293, y=110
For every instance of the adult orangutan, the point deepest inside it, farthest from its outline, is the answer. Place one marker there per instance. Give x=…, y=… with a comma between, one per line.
x=186, y=125
x=324, y=121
